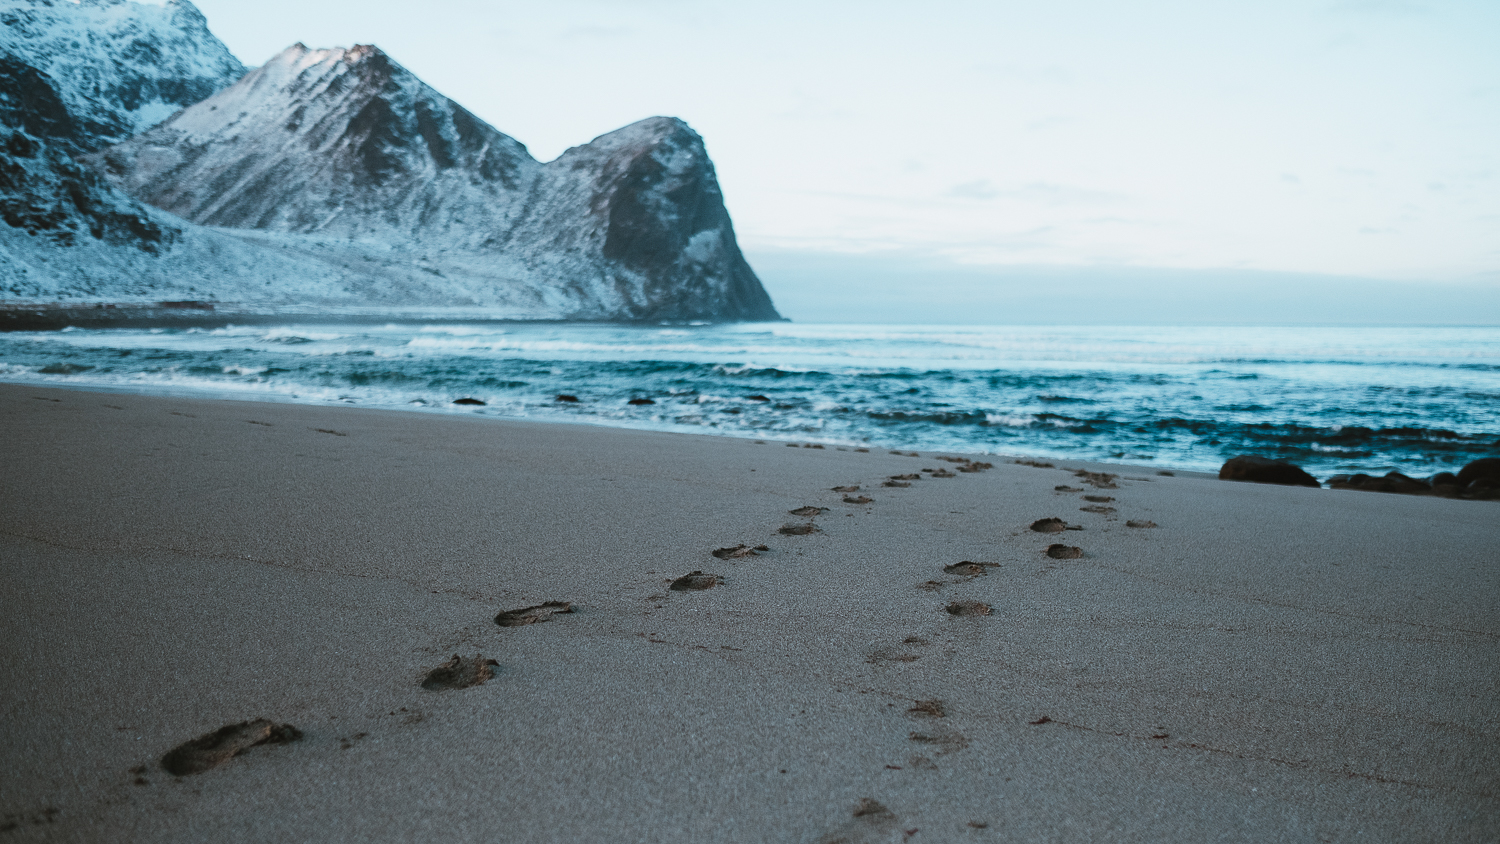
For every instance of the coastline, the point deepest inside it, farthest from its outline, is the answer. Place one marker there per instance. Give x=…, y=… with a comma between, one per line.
x=1268, y=662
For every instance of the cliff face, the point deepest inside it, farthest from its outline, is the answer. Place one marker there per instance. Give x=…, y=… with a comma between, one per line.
x=347, y=144
x=341, y=143
x=121, y=67
x=332, y=177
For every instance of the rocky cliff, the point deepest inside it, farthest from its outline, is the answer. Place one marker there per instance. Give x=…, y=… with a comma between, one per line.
x=378, y=189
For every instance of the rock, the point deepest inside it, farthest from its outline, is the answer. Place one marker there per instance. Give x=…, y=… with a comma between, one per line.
x=1484, y=467
x=1261, y=470
x=566, y=397
x=468, y=400
x=641, y=401
x=1390, y=482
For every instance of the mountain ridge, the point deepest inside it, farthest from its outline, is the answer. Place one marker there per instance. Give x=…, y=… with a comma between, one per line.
x=330, y=177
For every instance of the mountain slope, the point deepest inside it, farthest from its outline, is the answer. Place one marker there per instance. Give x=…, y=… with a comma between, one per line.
x=347, y=144
x=127, y=66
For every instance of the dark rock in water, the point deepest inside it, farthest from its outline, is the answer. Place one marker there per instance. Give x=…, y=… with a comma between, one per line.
x=1446, y=485
x=1484, y=467
x=467, y=400
x=1261, y=470
x=1390, y=482
x=564, y=397
x=757, y=398
x=641, y=401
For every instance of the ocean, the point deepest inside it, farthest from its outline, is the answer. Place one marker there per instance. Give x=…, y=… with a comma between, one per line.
x=1338, y=399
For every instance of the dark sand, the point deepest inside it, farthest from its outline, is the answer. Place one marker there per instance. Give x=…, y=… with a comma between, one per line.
x=1268, y=664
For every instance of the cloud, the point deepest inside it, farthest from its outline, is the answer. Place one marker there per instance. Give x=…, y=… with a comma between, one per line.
x=977, y=189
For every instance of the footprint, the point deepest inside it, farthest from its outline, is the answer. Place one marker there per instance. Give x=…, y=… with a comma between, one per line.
x=1098, y=508
x=807, y=511
x=872, y=824
x=969, y=569
x=943, y=473
x=1058, y=551
x=891, y=655
x=913, y=476
x=931, y=586
x=928, y=709
x=1049, y=525
x=459, y=673
x=1038, y=464
x=1098, y=480
x=1099, y=499
x=798, y=530
x=896, y=484
x=533, y=615
x=964, y=609
x=947, y=741
x=1066, y=488
x=858, y=499
x=739, y=551
x=221, y=745
x=1140, y=524
x=852, y=488
x=975, y=466
x=695, y=581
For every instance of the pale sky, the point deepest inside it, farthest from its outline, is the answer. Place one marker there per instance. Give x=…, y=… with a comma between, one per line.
x=1343, y=137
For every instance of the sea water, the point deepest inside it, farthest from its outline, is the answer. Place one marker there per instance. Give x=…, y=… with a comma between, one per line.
x=1418, y=400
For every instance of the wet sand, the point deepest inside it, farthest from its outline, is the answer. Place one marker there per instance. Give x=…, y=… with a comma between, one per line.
x=1266, y=663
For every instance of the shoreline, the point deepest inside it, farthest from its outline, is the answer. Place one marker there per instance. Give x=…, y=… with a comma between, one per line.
x=1265, y=662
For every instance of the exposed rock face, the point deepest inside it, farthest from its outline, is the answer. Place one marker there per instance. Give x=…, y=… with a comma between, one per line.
x=330, y=177
x=126, y=66
x=340, y=143
x=350, y=145
x=1248, y=467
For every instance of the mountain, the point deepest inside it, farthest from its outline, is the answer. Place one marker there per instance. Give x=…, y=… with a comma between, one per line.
x=347, y=144
x=124, y=66
x=74, y=77
x=328, y=178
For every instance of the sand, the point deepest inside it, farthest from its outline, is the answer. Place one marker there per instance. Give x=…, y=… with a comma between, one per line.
x=1266, y=664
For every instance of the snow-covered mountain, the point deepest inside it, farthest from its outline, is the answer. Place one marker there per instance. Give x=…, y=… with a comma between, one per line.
x=333, y=177
x=124, y=67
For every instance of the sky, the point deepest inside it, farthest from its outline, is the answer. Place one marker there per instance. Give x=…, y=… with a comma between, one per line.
x=1337, y=140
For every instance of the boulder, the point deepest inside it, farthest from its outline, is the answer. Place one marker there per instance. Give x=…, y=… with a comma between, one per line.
x=1390, y=482
x=1481, y=469
x=1261, y=470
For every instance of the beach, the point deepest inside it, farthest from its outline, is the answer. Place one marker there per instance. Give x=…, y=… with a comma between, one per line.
x=1265, y=663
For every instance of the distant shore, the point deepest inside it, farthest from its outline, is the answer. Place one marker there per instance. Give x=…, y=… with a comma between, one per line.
x=210, y=314
x=936, y=655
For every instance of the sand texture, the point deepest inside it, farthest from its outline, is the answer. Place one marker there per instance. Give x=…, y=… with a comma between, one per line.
x=1253, y=663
